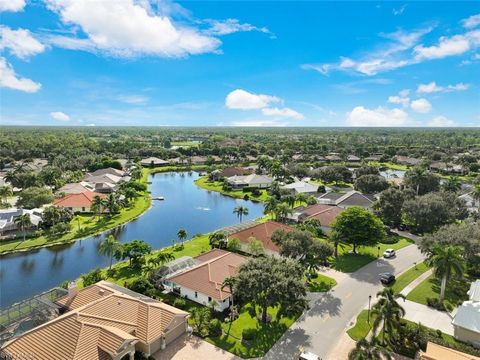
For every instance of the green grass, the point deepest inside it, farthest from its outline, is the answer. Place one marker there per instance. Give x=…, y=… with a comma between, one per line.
x=216, y=186
x=347, y=262
x=389, y=165
x=408, y=276
x=321, y=283
x=361, y=328
x=455, y=293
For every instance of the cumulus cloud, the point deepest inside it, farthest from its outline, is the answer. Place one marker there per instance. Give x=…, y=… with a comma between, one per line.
x=421, y=106
x=20, y=42
x=128, y=28
x=244, y=100
x=230, y=26
x=363, y=117
x=432, y=87
x=59, y=116
x=9, y=79
x=12, y=5
x=402, y=98
x=282, y=112
x=471, y=22
x=441, y=121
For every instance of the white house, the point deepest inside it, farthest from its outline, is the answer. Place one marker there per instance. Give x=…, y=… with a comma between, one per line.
x=301, y=187
x=466, y=323
x=8, y=216
x=252, y=180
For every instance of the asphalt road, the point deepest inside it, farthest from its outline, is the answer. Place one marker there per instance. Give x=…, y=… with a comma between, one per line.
x=330, y=314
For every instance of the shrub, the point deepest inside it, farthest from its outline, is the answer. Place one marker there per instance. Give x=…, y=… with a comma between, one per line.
x=436, y=304
x=92, y=277
x=215, y=327
x=256, y=192
x=179, y=303
x=389, y=240
x=248, y=334
x=60, y=228
x=246, y=197
x=142, y=286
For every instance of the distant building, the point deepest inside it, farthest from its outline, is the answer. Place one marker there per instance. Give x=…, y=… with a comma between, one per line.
x=153, y=162
x=106, y=171
x=252, y=180
x=230, y=171
x=346, y=200
x=466, y=322
x=76, y=188
x=326, y=214
x=8, y=216
x=78, y=203
x=302, y=187
x=353, y=158
x=333, y=158
x=406, y=160
x=473, y=205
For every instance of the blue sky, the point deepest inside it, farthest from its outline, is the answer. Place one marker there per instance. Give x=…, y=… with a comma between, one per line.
x=249, y=63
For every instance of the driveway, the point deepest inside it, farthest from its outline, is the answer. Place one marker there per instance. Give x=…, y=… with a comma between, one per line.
x=427, y=316
x=330, y=314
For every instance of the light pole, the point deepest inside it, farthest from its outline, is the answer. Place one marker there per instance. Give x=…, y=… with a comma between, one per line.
x=368, y=316
x=415, y=264
x=378, y=253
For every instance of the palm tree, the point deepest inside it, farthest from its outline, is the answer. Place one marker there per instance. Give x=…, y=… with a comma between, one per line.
x=368, y=350
x=241, y=211
x=111, y=203
x=301, y=198
x=5, y=192
x=229, y=283
x=417, y=175
x=270, y=206
x=97, y=205
x=182, y=235
x=290, y=200
x=282, y=211
x=109, y=247
x=388, y=312
x=452, y=184
x=446, y=261
x=23, y=221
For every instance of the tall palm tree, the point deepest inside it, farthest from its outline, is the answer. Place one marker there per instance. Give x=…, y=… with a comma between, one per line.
x=5, y=192
x=388, y=312
x=452, y=184
x=229, y=283
x=270, y=206
x=111, y=203
x=301, y=197
x=417, y=175
x=97, y=205
x=109, y=247
x=23, y=222
x=446, y=261
x=182, y=235
x=241, y=211
x=368, y=350
x=282, y=211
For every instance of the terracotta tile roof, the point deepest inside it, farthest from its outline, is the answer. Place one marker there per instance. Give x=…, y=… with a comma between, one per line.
x=262, y=232
x=83, y=199
x=326, y=214
x=207, y=277
x=438, y=352
x=98, y=324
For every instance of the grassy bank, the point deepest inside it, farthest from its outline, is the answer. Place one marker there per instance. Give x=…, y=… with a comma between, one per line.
x=408, y=276
x=216, y=186
x=362, y=326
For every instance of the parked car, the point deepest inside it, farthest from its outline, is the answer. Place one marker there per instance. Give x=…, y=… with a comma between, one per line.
x=306, y=355
x=402, y=227
x=387, y=278
x=389, y=253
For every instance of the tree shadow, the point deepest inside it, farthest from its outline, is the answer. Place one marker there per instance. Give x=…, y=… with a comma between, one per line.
x=323, y=304
x=289, y=346
x=371, y=273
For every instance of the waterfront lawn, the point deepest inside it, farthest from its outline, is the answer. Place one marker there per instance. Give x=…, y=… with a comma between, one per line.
x=389, y=165
x=216, y=186
x=361, y=328
x=349, y=262
x=320, y=283
x=407, y=277
x=455, y=293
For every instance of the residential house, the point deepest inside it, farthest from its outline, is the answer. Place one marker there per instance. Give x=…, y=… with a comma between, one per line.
x=106, y=171
x=346, y=200
x=406, y=160
x=202, y=283
x=76, y=188
x=473, y=205
x=36, y=165
x=466, y=322
x=333, y=158
x=261, y=232
x=199, y=160
x=438, y=352
x=353, y=158
x=301, y=187
x=447, y=168
x=78, y=203
x=374, y=157
x=8, y=216
x=102, y=322
x=326, y=214
x=123, y=163
x=252, y=180
x=153, y=162
x=105, y=183
x=229, y=172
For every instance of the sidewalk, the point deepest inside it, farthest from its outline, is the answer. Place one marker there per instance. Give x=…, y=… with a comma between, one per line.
x=427, y=316
x=416, y=282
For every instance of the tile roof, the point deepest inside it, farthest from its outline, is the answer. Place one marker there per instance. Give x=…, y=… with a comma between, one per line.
x=468, y=316
x=102, y=321
x=83, y=199
x=438, y=352
x=207, y=277
x=262, y=232
x=326, y=214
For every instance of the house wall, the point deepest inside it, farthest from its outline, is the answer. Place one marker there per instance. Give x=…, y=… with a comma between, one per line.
x=202, y=298
x=466, y=335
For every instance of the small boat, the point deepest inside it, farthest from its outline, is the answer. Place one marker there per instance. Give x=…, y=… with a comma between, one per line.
x=159, y=198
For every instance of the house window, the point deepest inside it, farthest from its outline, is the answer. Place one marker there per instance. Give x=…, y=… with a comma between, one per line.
x=209, y=299
x=196, y=294
x=83, y=209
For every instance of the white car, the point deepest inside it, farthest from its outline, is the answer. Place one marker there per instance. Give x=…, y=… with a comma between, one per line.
x=388, y=253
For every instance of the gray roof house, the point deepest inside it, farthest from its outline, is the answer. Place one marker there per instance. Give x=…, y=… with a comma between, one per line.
x=301, y=187
x=7, y=218
x=252, y=180
x=76, y=188
x=472, y=204
x=107, y=171
x=345, y=200
x=153, y=161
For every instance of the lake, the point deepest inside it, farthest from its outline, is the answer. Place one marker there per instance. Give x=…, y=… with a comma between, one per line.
x=185, y=206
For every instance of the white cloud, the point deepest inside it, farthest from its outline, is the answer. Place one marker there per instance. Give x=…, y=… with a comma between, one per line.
x=231, y=26
x=133, y=99
x=128, y=28
x=20, y=42
x=60, y=116
x=421, y=106
x=402, y=98
x=361, y=116
x=400, y=10
x=432, y=87
x=258, y=123
x=441, y=121
x=282, y=112
x=447, y=46
x=9, y=79
x=471, y=22
x=12, y=5
x=244, y=100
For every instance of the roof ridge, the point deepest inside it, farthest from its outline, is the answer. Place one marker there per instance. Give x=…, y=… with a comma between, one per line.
x=78, y=339
x=106, y=318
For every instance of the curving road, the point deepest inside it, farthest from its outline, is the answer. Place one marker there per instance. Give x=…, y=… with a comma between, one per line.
x=330, y=314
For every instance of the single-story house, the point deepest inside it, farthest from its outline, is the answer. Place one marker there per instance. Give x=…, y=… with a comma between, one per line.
x=346, y=200
x=333, y=158
x=230, y=171
x=466, y=323
x=102, y=322
x=36, y=165
x=78, y=203
x=203, y=283
x=353, y=158
x=326, y=214
x=406, y=160
x=105, y=183
x=199, y=160
x=374, y=157
x=438, y=352
x=107, y=171
x=8, y=216
x=301, y=187
x=76, y=188
x=153, y=162
x=448, y=168
x=252, y=180
x=263, y=233
x=473, y=205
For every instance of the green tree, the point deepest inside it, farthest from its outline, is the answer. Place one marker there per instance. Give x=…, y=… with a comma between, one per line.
x=446, y=262
x=229, y=283
x=368, y=350
x=255, y=247
x=371, y=184
x=358, y=227
x=293, y=244
x=389, y=205
x=233, y=244
x=282, y=211
x=271, y=281
x=201, y=317
x=452, y=184
x=97, y=205
x=301, y=198
x=270, y=206
x=111, y=204
x=34, y=197
x=421, y=181
x=92, y=277
x=217, y=239
x=135, y=251
x=240, y=211
x=182, y=235
x=109, y=247
x=5, y=192
x=387, y=313
x=23, y=222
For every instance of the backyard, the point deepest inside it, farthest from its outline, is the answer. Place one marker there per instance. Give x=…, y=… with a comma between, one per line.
x=217, y=186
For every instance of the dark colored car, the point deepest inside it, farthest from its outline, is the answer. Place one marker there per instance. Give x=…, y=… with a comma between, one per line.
x=387, y=278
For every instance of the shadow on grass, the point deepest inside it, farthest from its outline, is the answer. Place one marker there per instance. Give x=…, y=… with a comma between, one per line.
x=351, y=262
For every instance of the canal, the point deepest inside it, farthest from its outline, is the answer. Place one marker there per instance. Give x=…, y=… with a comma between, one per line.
x=185, y=206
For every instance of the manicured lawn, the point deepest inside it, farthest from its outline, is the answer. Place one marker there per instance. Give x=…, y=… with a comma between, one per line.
x=204, y=183
x=389, y=165
x=407, y=277
x=348, y=262
x=321, y=283
x=362, y=327
x=455, y=293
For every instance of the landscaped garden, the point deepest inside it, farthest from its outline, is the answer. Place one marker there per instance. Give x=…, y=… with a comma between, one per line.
x=362, y=326
x=217, y=186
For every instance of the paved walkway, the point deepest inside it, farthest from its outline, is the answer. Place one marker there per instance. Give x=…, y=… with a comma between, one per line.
x=427, y=316
x=407, y=289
